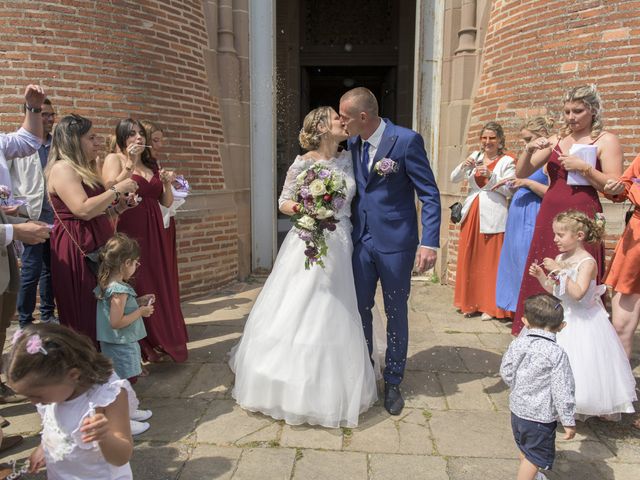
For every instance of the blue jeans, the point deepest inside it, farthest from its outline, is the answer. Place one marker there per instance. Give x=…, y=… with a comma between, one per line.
x=36, y=268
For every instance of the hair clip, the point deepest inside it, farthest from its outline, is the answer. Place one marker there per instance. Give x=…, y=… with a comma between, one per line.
x=34, y=345
x=558, y=305
x=16, y=336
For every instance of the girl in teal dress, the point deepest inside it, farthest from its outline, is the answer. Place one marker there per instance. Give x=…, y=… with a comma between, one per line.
x=119, y=312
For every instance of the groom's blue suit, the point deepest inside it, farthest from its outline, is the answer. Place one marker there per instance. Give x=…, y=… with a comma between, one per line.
x=385, y=233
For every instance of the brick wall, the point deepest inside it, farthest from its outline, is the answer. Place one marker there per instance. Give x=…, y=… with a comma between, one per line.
x=536, y=49
x=110, y=59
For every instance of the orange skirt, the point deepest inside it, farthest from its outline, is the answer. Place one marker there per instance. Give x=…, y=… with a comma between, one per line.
x=477, y=269
x=623, y=272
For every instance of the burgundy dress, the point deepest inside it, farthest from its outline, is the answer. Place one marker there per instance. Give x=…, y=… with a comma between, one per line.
x=166, y=330
x=73, y=282
x=559, y=198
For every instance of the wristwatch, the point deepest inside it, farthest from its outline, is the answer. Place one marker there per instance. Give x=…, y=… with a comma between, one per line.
x=32, y=109
x=115, y=200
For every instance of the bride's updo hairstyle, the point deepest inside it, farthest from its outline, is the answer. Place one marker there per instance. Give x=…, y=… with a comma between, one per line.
x=310, y=136
x=588, y=95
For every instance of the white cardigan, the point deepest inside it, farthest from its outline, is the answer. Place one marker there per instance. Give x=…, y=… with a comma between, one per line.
x=493, y=204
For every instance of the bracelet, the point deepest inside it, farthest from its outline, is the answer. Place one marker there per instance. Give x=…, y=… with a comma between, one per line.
x=32, y=109
x=586, y=170
x=115, y=200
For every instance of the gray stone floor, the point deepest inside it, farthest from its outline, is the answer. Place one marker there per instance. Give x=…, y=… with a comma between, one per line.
x=455, y=426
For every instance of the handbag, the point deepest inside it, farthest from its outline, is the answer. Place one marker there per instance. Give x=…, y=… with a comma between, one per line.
x=456, y=212
x=92, y=259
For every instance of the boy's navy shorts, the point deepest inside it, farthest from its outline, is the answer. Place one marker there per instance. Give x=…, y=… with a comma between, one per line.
x=537, y=441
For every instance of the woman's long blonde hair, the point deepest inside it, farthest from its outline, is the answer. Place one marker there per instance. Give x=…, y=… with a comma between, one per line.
x=588, y=95
x=66, y=146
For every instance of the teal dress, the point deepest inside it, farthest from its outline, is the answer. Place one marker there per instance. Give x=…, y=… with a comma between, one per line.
x=120, y=344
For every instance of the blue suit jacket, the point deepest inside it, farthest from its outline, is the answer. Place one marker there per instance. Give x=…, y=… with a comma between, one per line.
x=386, y=205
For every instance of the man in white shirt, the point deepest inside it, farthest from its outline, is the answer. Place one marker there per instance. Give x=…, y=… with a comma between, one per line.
x=19, y=144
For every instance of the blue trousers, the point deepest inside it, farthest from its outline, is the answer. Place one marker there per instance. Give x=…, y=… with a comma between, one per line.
x=36, y=269
x=394, y=272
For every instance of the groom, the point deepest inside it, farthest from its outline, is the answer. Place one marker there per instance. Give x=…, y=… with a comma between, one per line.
x=390, y=164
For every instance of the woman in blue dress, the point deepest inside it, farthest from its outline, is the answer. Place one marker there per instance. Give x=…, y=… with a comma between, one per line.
x=521, y=221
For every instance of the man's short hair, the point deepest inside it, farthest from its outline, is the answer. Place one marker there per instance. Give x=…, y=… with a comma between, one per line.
x=543, y=311
x=362, y=99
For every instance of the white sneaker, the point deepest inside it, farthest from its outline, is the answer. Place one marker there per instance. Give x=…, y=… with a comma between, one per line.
x=485, y=317
x=138, y=427
x=141, y=415
x=541, y=476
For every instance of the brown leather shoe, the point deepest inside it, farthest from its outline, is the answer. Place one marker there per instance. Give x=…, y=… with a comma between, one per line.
x=9, y=396
x=10, y=441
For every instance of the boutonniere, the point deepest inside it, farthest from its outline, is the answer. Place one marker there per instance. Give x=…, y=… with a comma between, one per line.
x=385, y=167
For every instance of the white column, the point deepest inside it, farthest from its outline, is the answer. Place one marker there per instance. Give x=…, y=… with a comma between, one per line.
x=262, y=54
x=428, y=75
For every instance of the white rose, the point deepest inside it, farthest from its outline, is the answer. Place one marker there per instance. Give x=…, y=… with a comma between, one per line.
x=323, y=213
x=317, y=188
x=307, y=222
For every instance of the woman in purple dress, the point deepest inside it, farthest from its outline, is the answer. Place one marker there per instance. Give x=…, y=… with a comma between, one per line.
x=166, y=330
x=582, y=126
x=84, y=213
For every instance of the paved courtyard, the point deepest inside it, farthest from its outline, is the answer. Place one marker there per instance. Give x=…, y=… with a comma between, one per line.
x=455, y=425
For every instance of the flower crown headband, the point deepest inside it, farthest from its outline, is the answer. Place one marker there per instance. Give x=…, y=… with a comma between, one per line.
x=34, y=343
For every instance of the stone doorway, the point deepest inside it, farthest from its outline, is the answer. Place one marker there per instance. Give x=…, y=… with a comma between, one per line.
x=324, y=48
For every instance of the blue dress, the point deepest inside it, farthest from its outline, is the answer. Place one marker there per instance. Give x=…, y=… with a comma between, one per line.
x=521, y=222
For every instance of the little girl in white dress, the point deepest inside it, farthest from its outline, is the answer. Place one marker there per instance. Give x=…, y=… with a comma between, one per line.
x=84, y=405
x=605, y=385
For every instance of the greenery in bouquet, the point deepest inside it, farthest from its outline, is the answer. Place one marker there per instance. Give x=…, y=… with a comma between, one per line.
x=320, y=193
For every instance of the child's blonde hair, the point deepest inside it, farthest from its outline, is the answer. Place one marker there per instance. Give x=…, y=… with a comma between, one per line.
x=65, y=349
x=576, y=221
x=114, y=254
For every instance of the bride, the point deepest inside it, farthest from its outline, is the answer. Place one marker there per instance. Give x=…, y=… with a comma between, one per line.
x=303, y=357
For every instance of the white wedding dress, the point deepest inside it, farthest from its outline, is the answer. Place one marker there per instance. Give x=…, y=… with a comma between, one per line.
x=303, y=357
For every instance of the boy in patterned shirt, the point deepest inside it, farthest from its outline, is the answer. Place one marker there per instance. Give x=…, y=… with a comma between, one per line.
x=537, y=370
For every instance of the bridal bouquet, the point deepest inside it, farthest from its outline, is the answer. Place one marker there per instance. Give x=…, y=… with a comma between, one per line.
x=320, y=192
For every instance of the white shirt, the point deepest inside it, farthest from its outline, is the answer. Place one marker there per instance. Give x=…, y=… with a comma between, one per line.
x=374, y=143
x=12, y=145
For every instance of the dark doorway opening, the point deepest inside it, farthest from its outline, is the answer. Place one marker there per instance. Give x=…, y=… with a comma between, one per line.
x=324, y=85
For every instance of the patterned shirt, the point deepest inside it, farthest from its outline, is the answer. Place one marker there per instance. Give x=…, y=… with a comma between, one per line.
x=537, y=370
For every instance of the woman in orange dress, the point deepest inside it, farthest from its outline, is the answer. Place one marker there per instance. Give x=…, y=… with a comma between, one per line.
x=484, y=218
x=623, y=275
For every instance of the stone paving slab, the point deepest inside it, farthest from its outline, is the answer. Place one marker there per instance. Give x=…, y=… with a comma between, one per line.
x=208, y=462
x=473, y=433
x=482, y=468
x=320, y=465
x=275, y=463
x=455, y=426
x=394, y=467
